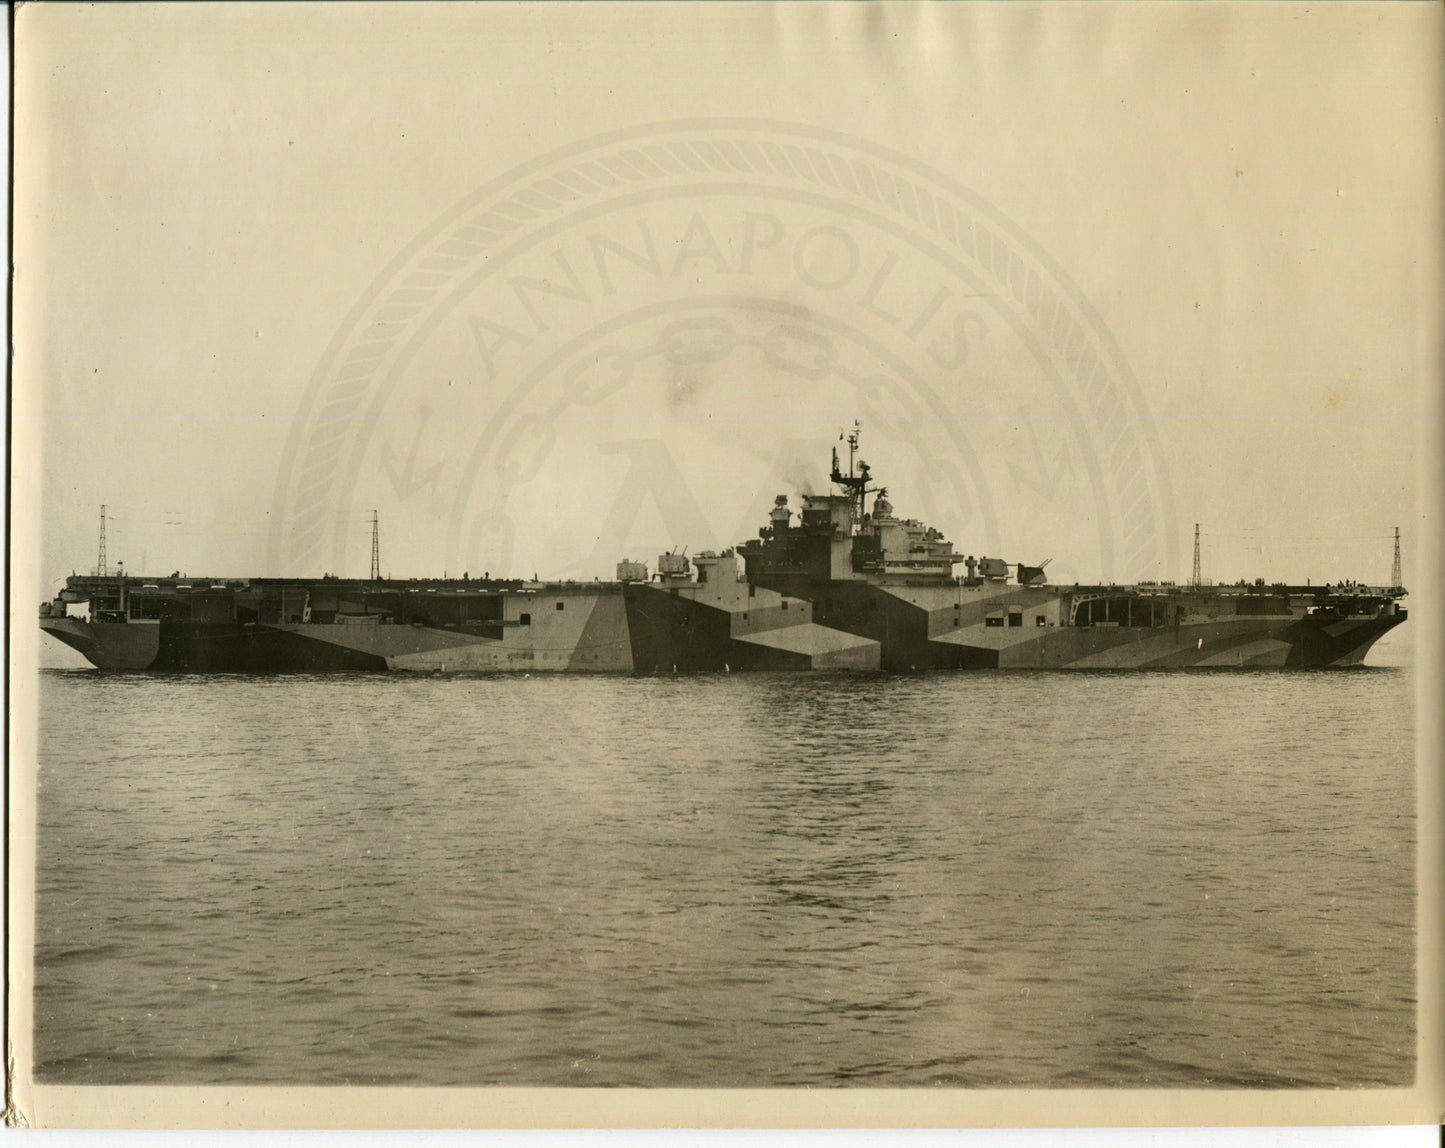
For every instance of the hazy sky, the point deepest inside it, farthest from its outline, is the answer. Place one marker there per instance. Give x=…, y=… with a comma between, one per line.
x=1246, y=203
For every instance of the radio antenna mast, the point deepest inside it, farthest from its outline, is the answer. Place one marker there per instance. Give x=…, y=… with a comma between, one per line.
x=1396, y=579
x=375, y=549
x=1197, y=580
x=100, y=560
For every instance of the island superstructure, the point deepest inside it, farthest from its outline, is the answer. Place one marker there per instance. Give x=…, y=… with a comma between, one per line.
x=839, y=584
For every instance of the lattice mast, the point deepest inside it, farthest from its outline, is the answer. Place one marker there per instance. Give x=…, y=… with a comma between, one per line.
x=100, y=558
x=1198, y=580
x=1396, y=577
x=375, y=549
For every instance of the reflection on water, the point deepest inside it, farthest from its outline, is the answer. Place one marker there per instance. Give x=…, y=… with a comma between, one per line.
x=746, y=880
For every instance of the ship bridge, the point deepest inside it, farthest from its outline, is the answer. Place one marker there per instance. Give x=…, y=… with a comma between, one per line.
x=839, y=538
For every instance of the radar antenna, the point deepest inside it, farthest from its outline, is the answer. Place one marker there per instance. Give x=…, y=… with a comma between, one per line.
x=858, y=476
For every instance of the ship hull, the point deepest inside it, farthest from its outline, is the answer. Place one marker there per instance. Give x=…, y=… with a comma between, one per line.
x=735, y=625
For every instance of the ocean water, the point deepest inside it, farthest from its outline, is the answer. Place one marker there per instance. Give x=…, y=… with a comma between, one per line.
x=952, y=879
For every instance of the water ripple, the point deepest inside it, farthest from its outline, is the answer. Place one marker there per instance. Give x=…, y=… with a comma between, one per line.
x=744, y=880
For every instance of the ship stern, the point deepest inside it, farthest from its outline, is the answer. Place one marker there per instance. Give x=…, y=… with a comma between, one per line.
x=106, y=645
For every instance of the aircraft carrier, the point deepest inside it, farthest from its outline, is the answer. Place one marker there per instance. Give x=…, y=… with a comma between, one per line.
x=842, y=583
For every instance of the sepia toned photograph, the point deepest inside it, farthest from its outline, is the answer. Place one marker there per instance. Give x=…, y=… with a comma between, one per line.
x=726, y=564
